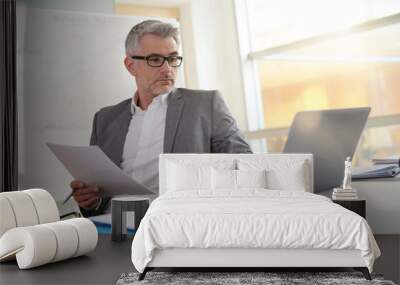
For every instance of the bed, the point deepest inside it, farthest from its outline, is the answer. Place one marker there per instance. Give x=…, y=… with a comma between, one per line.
x=244, y=211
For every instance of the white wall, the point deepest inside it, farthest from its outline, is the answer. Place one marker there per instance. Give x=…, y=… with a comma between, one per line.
x=73, y=66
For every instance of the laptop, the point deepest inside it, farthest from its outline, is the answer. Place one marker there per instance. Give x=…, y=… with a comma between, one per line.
x=331, y=136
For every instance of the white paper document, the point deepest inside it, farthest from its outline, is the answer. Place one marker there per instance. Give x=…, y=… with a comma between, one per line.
x=90, y=165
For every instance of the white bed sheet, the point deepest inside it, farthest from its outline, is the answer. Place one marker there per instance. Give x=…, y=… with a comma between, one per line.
x=251, y=218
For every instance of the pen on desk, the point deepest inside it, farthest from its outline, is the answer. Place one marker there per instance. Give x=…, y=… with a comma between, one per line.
x=68, y=197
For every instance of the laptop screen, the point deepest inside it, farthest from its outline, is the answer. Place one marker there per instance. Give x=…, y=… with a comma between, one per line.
x=331, y=136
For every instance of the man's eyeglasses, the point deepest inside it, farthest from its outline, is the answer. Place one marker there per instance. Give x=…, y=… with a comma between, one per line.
x=158, y=60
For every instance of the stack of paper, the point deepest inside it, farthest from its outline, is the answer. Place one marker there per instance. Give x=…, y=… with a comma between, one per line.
x=387, y=160
x=105, y=220
x=344, y=194
x=376, y=171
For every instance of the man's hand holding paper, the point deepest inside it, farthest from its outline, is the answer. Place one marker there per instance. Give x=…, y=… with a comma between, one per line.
x=87, y=196
x=93, y=171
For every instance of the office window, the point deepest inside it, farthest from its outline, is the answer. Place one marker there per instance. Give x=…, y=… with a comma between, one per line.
x=312, y=55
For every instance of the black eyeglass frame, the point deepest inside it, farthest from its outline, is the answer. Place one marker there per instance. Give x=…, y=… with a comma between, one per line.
x=165, y=58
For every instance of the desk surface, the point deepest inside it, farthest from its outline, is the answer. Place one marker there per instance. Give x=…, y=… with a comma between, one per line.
x=102, y=266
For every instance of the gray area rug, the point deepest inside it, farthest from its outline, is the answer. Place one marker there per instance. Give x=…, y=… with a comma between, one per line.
x=273, y=278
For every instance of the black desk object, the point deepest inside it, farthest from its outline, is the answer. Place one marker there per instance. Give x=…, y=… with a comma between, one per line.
x=119, y=207
x=357, y=206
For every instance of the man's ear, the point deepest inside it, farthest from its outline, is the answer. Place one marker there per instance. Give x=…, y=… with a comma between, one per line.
x=130, y=65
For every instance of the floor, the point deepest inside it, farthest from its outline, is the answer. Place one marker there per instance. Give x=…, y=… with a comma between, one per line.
x=389, y=262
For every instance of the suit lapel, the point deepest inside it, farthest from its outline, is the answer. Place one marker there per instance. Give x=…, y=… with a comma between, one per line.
x=174, y=113
x=121, y=125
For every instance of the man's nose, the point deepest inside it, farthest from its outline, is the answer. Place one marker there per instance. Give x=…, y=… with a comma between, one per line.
x=166, y=65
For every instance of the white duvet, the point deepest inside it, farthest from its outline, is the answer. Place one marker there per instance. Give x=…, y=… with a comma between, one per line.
x=250, y=218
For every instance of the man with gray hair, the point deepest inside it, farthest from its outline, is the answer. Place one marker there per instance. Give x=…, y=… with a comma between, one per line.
x=159, y=118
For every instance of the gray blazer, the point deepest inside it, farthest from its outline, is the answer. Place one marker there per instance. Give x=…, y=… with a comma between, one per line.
x=197, y=121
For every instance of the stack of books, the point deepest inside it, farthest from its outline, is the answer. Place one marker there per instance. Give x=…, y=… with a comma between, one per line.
x=344, y=194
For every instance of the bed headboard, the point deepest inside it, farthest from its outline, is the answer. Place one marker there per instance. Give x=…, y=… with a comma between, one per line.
x=279, y=162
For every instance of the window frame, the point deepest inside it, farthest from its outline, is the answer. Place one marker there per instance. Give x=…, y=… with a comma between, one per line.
x=252, y=91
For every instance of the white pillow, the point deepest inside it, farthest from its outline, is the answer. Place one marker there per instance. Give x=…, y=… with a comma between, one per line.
x=287, y=174
x=251, y=178
x=226, y=179
x=294, y=180
x=223, y=179
x=188, y=177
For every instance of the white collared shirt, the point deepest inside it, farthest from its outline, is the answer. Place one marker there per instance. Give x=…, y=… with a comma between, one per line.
x=145, y=141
